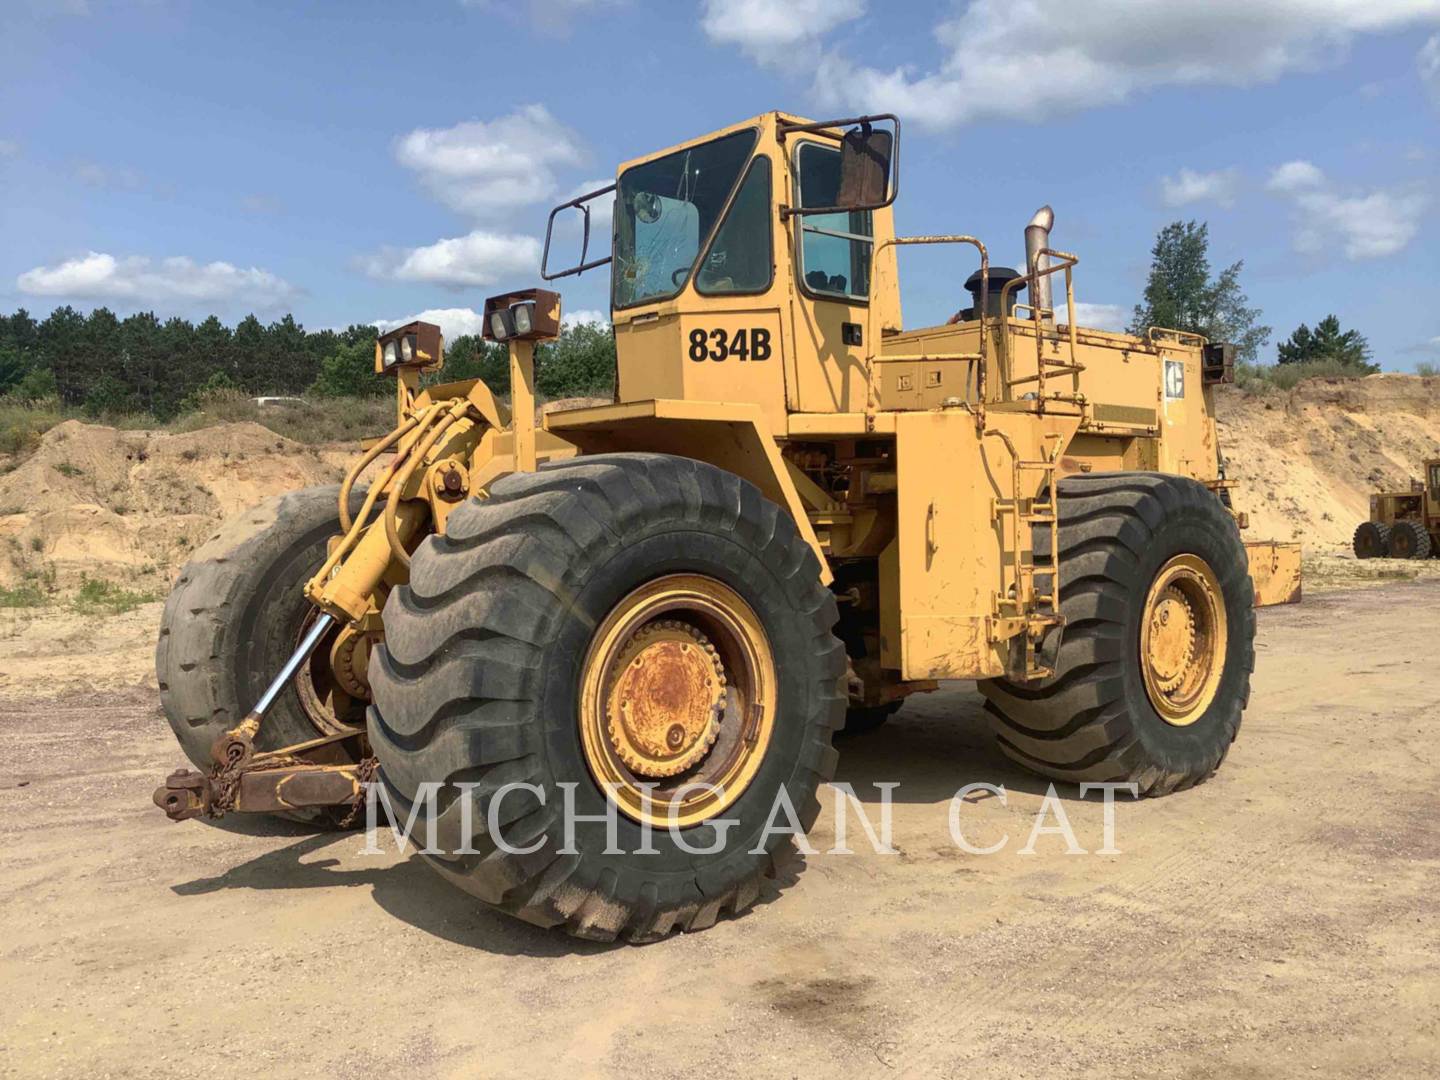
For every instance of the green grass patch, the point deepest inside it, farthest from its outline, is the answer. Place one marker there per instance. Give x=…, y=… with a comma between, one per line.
x=26, y=594
x=1263, y=378
x=105, y=597
x=22, y=424
x=322, y=420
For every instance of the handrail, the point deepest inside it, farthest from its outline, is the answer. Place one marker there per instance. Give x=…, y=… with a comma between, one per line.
x=1037, y=317
x=1200, y=339
x=871, y=357
x=581, y=203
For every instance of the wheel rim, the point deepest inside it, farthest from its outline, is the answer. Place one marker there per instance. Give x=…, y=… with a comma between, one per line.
x=326, y=699
x=1183, y=637
x=1403, y=541
x=677, y=699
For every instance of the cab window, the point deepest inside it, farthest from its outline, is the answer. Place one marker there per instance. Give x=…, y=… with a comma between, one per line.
x=665, y=210
x=834, y=248
x=740, y=257
x=1435, y=481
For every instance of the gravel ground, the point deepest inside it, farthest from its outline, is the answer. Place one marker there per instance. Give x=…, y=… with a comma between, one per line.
x=1280, y=919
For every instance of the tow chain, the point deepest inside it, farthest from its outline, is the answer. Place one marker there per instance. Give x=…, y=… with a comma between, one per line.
x=225, y=779
x=365, y=774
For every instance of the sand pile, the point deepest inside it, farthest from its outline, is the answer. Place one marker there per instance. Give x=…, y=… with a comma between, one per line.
x=1308, y=459
x=129, y=506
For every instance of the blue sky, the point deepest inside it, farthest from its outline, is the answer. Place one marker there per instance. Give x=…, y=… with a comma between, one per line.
x=368, y=161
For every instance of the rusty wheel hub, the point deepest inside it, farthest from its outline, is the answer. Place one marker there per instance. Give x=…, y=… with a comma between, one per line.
x=1172, y=639
x=1183, y=640
x=666, y=699
x=677, y=700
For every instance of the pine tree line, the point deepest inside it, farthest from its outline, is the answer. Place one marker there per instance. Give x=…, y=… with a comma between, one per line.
x=107, y=365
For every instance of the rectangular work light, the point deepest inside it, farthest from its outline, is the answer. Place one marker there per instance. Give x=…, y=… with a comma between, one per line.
x=416, y=344
x=528, y=315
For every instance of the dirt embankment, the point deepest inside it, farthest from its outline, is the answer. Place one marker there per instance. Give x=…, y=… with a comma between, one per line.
x=1308, y=459
x=130, y=506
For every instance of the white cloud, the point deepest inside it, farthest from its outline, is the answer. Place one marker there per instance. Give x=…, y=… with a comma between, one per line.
x=483, y=167
x=584, y=316
x=477, y=258
x=453, y=322
x=601, y=210
x=1189, y=186
x=1100, y=316
x=1295, y=176
x=9, y=148
x=1428, y=63
x=769, y=31
x=138, y=279
x=1365, y=225
x=1039, y=58
x=114, y=178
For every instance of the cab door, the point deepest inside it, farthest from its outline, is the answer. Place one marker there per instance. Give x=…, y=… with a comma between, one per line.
x=832, y=255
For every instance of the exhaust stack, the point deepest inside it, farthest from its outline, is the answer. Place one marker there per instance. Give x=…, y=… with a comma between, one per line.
x=1037, y=238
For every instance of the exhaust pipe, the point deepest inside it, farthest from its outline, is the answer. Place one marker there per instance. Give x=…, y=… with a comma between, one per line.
x=1037, y=238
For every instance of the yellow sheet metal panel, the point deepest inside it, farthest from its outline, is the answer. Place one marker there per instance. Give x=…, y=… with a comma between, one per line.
x=1275, y=570
x=729, y=435
x=955, y=554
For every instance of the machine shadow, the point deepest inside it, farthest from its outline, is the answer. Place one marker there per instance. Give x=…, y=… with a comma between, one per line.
x=935, y=745
x=415, y=894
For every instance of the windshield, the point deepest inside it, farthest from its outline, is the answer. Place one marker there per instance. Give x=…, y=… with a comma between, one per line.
x=665, y=209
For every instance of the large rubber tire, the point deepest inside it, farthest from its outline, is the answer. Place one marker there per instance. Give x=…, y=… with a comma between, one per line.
x=1372, y=540
x=1093, y=720
x=1409, y=540
x=235, y=615
x=478, y=682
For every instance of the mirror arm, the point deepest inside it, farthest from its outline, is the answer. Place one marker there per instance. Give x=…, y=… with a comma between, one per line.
x=578, y=203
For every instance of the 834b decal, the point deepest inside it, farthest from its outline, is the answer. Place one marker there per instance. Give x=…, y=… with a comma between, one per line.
x=743, y=344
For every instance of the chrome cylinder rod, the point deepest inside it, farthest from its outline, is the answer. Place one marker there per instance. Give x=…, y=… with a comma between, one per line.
x=298, y=657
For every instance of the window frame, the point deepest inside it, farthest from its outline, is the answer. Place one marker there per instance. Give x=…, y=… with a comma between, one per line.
x=705, y=241
x=755, y=161
x=798, y=257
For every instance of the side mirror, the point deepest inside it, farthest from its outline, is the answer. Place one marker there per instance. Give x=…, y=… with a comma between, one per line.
x=865, y=168
x=869, y=162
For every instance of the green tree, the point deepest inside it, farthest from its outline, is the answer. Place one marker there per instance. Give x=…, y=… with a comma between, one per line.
x=471, y=357
x=349, y=371
x=249, y=345
x=61, y=341
x=581, y=362
x=38, y=384
x=1327, y=342
x=107, y=396
x=1181, y=295
x=13, y=367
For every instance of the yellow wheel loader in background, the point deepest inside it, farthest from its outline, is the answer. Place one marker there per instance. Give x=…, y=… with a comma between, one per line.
x=1403, y=524
x=606, y=655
